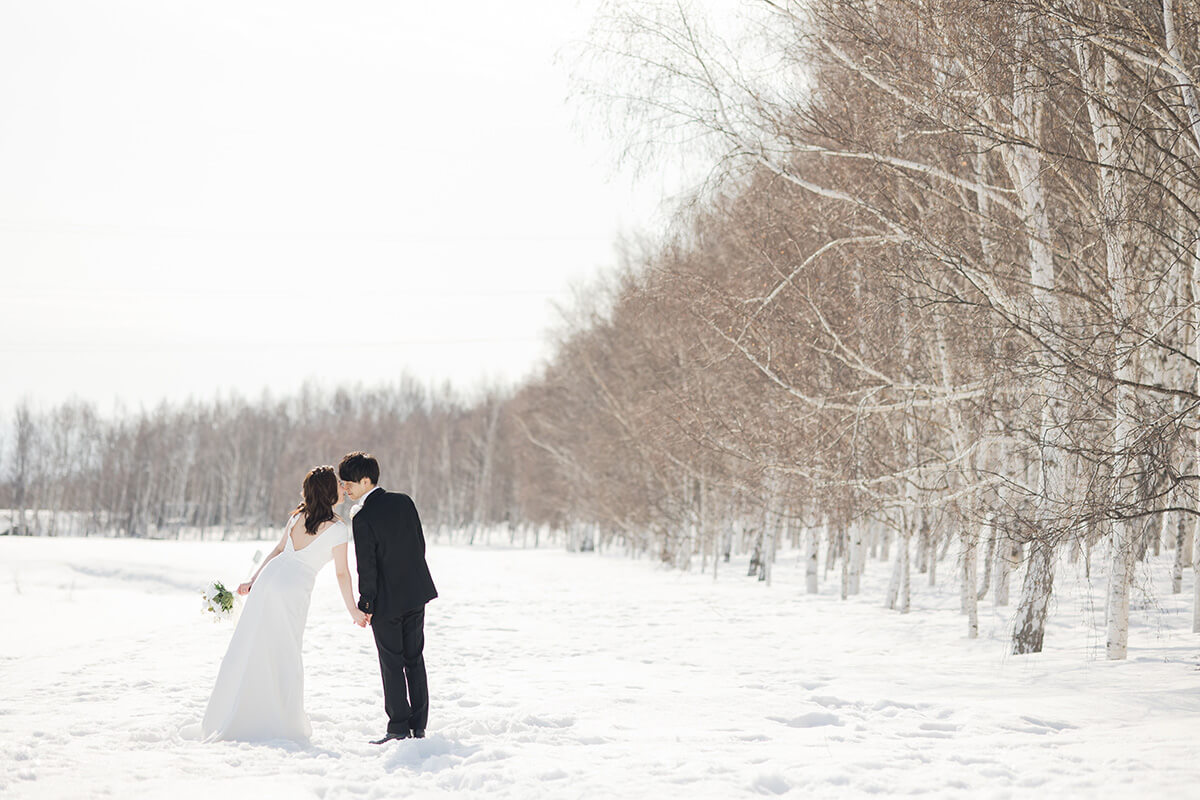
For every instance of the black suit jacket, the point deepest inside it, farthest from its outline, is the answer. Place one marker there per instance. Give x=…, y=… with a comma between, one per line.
x=390, y=550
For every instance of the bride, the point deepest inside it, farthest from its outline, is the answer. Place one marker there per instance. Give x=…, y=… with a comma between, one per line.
x=259, y=692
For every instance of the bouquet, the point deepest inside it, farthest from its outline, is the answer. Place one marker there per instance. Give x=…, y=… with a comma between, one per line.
x=218, y=601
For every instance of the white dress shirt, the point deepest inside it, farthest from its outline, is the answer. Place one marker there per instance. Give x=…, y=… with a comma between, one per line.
x=358, y=506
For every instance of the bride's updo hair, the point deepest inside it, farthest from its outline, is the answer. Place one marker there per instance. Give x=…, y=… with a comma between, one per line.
x=320, y=494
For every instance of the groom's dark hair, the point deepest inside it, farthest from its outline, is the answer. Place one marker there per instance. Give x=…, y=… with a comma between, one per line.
x=356, y=466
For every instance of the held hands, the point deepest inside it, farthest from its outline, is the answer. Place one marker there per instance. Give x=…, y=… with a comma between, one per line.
x=360, y=619
x=245, y=587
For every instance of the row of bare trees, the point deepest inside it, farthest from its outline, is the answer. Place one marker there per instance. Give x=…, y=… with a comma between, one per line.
x=935, y=304
x=940, y=287
x=235, y=465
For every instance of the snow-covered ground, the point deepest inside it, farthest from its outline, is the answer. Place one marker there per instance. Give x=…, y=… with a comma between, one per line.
x=589, y=676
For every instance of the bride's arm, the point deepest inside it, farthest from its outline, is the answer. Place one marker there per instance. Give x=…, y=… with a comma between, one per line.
x=245, y=587
x=343, y=576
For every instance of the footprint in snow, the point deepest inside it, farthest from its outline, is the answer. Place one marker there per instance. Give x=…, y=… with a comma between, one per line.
x=939, y=726
x=813, y=719
x=771, y=784
x=1047, y=725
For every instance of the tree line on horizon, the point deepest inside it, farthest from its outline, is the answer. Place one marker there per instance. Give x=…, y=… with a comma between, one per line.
x=936, y=302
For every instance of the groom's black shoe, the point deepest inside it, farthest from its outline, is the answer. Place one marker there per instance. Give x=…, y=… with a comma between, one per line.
x=418, y=734
x=391, y=736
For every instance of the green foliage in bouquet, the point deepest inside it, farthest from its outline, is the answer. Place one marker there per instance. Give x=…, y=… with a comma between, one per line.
x=220, y=599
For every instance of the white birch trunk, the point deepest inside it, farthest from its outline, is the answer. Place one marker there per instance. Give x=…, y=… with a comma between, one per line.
x=772, y=548
x=846, y=559
x=859, y=562
x=1002, y=571
x=1195, y=589
x=708, y=525
x=1187, y=523
x=852, y=560
x=1180, y=530
x=1036, y=590
x=922, y=549
x=810, y=566
x=933, y=556
x=970, y=596
x=1187, y=91
x=899, y=588
x=1025, y=167
x=989, y=558
x=783, y=536
x=1119, y=577
x=1099, y=75
x=1195, y=350
x=891, y=600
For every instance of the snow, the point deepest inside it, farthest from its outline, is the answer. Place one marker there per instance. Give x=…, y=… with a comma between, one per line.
x=584, y=675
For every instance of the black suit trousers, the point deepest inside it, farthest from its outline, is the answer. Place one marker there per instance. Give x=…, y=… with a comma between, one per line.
x=401, y=645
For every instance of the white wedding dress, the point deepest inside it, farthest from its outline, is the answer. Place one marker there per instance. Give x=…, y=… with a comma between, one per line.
x=259, y=692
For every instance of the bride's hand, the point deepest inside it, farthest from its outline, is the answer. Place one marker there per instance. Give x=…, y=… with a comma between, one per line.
x=245, y=588
x=360, y=619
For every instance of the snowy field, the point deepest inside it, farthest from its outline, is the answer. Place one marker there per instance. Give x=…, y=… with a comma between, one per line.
x=585, y=676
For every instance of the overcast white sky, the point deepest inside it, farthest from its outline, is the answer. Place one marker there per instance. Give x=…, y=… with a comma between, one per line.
x=233, y=194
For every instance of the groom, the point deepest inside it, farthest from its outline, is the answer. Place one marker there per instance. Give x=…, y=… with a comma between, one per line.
x=393, y=587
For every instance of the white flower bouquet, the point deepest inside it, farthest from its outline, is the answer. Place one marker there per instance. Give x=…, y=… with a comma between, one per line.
x=218, y=601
